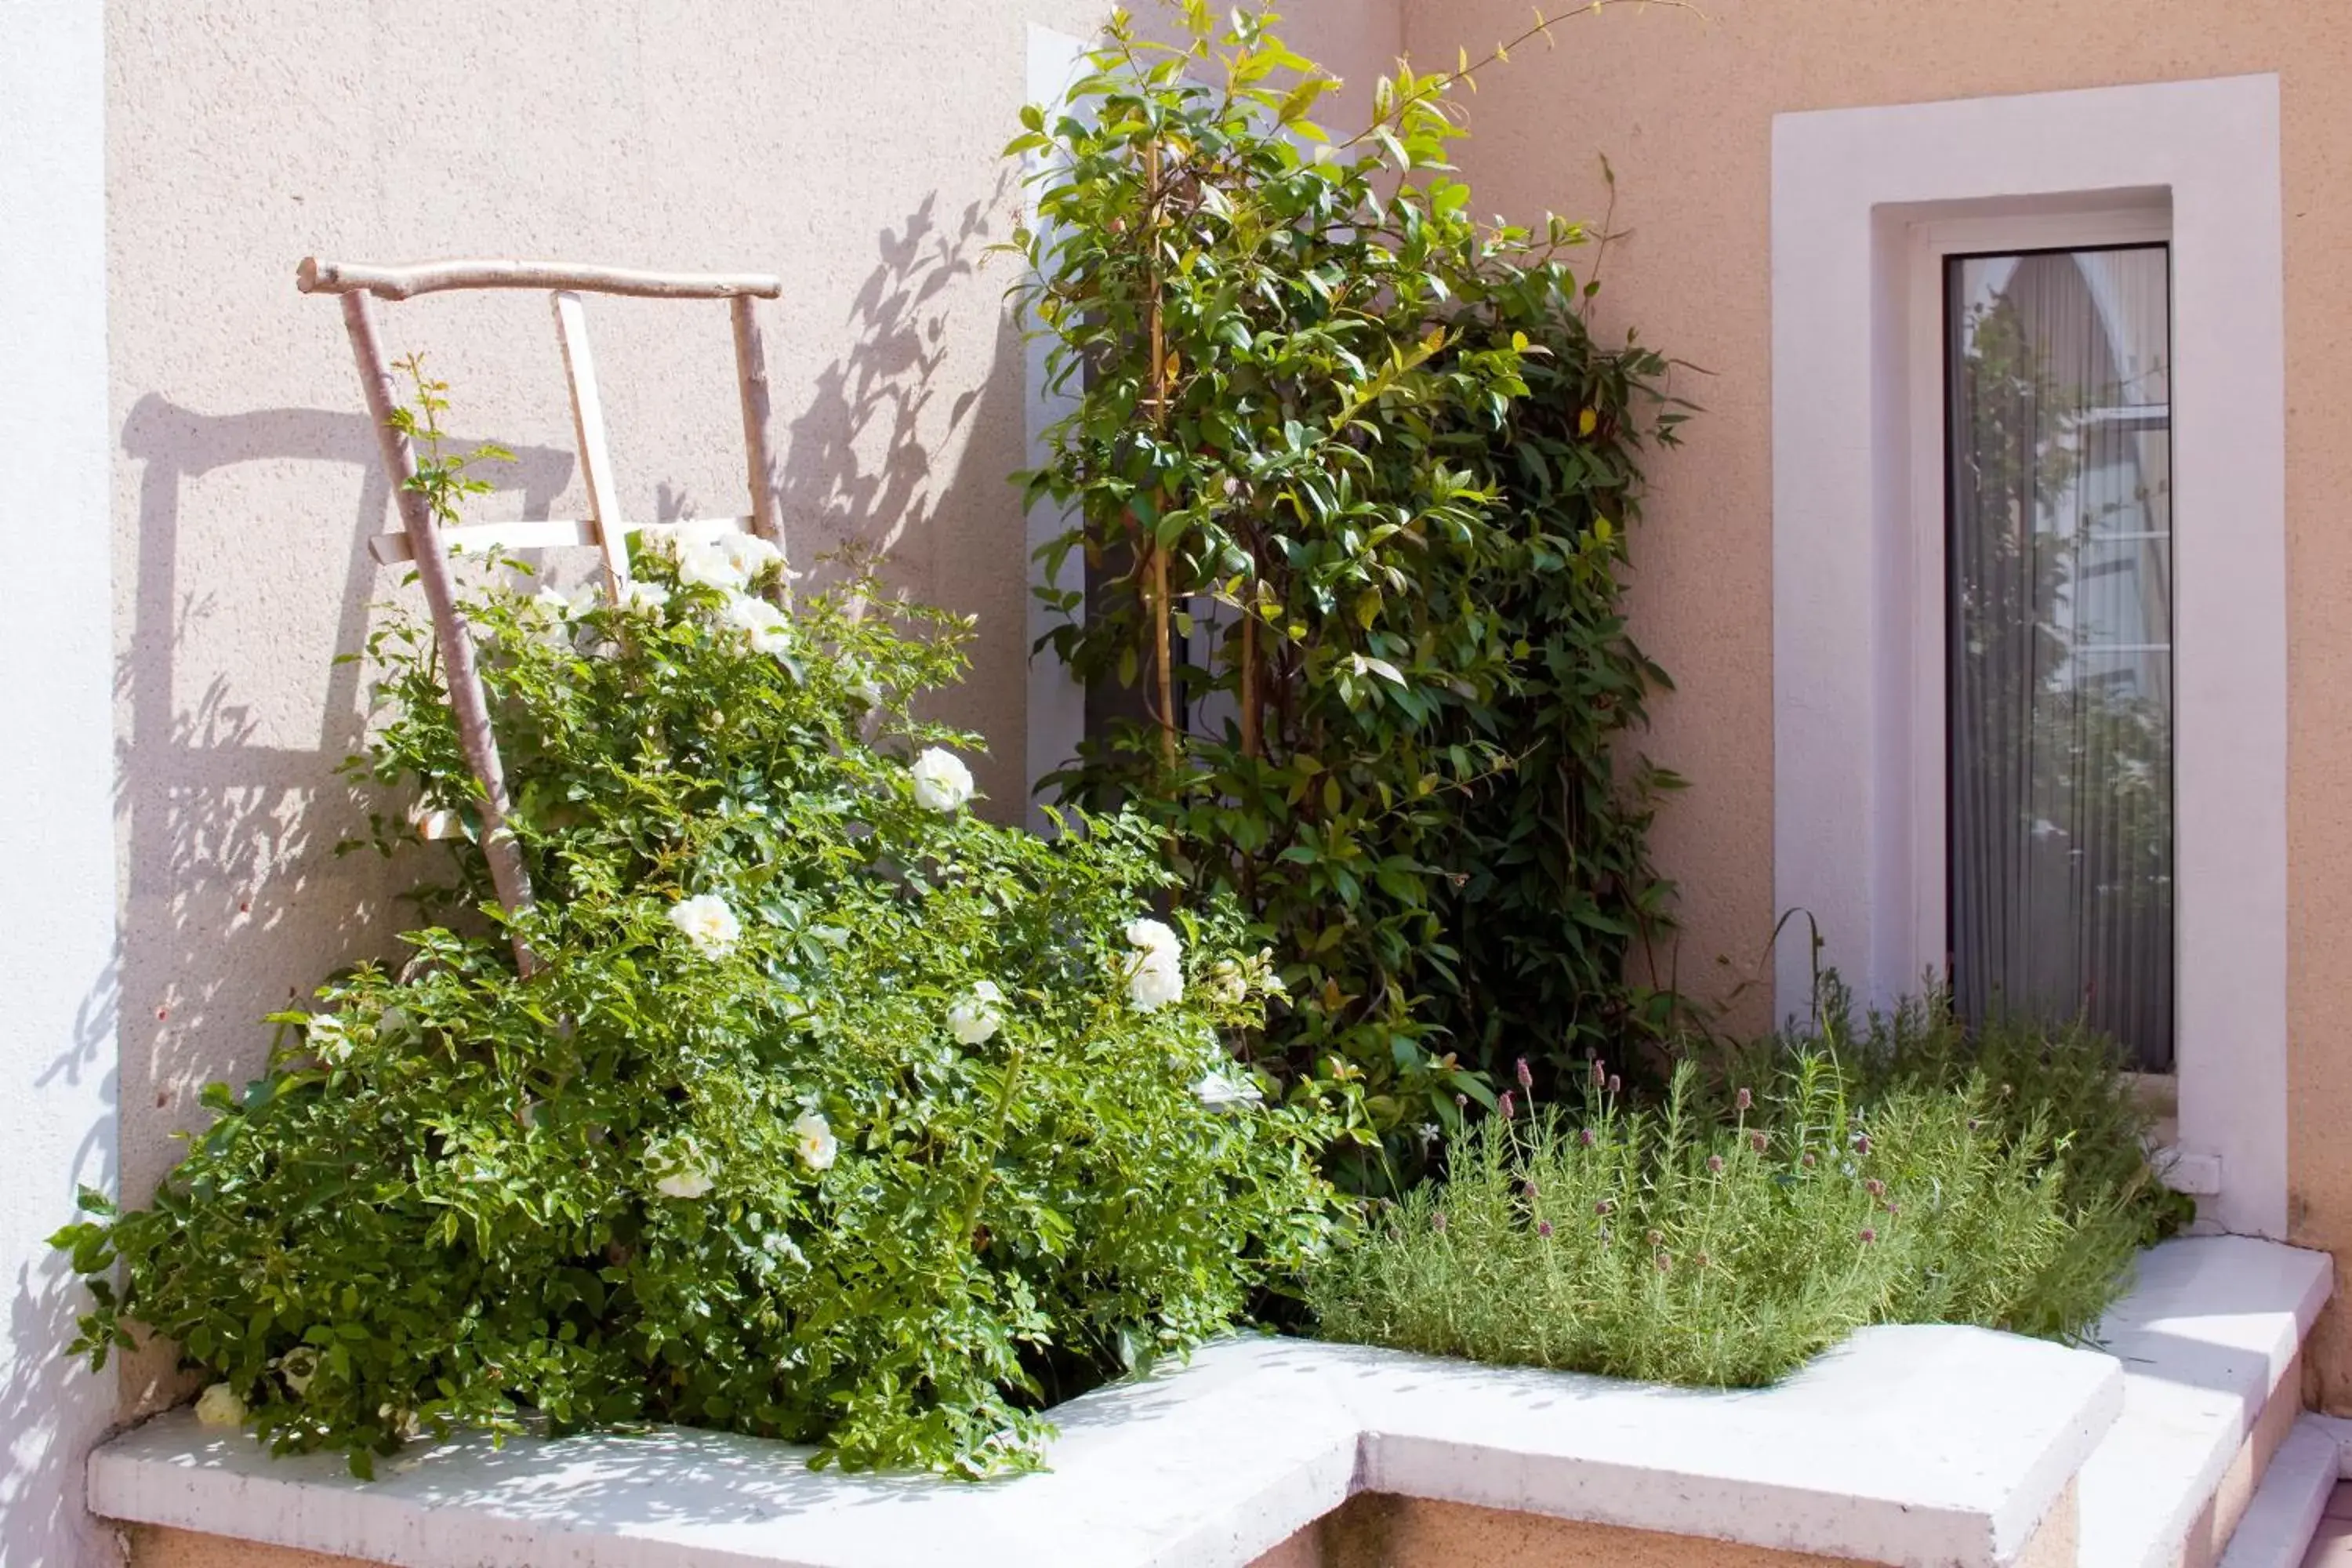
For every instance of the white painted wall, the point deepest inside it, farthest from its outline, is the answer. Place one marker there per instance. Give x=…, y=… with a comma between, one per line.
x=56, y=834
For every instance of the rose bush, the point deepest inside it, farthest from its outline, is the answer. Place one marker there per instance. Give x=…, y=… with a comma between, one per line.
x=834, y=1111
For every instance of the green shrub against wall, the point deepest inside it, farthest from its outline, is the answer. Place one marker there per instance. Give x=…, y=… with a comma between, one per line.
x=1354, y=482
x=832, y=1112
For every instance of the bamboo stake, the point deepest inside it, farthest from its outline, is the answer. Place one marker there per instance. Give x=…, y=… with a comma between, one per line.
x=1250, y=721
x=468, y=700
x=1157, y=555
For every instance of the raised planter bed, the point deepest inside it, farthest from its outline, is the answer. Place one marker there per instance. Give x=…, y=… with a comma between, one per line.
x=1923, y=1444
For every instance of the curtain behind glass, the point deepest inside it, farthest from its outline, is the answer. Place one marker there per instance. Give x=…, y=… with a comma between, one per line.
x=2060, y=618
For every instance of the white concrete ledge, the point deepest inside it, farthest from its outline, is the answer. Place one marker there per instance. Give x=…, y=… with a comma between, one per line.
x=2211, y=1325
x=1908, y=1445
x=2285, y=1514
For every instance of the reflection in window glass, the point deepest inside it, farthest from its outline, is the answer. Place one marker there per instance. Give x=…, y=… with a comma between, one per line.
x=2060, y=619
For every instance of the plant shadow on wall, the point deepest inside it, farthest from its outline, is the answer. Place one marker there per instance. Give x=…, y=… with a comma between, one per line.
x=232, y=887
x=863, y=465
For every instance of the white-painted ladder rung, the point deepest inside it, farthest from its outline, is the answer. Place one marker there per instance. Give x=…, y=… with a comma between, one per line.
x=540, y=533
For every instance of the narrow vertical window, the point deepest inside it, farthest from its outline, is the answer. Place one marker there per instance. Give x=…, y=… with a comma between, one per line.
x=2059, y=611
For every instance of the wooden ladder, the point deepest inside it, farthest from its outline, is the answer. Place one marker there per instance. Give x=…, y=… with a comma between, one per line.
x=429, y=546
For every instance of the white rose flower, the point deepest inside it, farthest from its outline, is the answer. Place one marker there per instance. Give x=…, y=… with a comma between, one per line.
x=1155, y=980
x=941, y=781
x=813, y=1140
x=767, y=627
x=1219, y=1090
x=1153, y=935
x=326, y=1038
x=973, y=1020
x=680, y=1171
x=702, y=564
x=707, y=923
x=647, y=598
x=220, y=1405
x=1228, y=986
x=750, y=554
x=1155, y=976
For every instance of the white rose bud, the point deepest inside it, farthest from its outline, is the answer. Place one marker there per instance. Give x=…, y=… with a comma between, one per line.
x=974, y=1019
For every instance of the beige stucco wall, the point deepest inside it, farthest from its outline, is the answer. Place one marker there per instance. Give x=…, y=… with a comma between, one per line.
x=1682, y=106
x=850, y=148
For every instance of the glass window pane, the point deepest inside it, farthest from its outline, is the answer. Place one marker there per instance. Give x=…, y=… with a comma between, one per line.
x=2059, y=613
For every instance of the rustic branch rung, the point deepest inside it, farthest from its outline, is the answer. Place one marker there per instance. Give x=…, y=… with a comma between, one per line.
x=316, y=276
x=588, y=426
x=540, y=533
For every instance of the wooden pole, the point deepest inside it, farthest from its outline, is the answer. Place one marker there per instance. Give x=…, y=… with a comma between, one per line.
x=316, y=276
x=1158, y=556
x=758, y=459
x=466, y=699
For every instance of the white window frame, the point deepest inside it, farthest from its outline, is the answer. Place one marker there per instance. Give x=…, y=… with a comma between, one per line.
x=1865, y=203
x=1928, y=244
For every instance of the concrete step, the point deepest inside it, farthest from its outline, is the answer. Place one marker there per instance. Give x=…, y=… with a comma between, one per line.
x=2208, y=1340
x=2286, y=1512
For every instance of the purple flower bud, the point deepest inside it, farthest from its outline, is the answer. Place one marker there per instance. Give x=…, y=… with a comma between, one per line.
x=1875, y=1187
x=1603, y=1206
x=1665, y=1262
x=1657, y=1238
x=1586, y=1138
x=1527, y=1076
x=1543, y=1228
x=1599, y=1073
x=1437, y=1222
x=1462, y=1101
x=1700, y=1259
x=1503, y=1106
x=1894, y=1209
x=1862, y=1142
x=1715, y=1164
x=1744, y=1099
x=1614, y=1083
x=1528, y=1191
x=1868, y=1235
x=1759, y=1142
x=1807, y=1162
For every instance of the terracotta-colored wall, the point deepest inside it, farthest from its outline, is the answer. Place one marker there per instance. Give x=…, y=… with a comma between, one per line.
x=1373, y=1530
x=1682, y=105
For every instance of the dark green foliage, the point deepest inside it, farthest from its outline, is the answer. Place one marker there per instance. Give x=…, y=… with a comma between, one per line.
x=1354, y=483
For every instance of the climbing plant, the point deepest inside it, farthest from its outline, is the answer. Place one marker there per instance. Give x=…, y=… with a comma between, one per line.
x=1352, y=480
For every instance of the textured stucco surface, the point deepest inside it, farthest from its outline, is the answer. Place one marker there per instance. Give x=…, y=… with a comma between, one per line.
x=850, y=149
x=1682, y=106
x=155, y=1548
